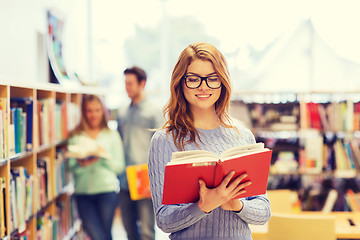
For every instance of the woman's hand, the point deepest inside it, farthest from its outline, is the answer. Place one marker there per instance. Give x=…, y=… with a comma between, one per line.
x=233, y=205
x=223, y=194
x=87, y=161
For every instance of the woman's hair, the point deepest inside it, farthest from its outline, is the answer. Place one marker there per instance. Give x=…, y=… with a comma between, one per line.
x=180, y=120
x=84, y=125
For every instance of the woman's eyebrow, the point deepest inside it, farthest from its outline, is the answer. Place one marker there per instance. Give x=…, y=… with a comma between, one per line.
x=199, y=75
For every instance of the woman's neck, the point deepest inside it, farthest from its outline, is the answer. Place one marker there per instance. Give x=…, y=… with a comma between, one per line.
x=93, y=132
x=205, y=119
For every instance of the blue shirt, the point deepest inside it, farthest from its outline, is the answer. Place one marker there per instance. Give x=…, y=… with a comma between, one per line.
x=135, y=125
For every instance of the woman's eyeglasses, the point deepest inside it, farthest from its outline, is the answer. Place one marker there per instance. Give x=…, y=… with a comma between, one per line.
x=195, y=81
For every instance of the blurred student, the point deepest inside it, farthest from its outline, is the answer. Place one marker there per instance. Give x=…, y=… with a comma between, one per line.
x=198, y=119
x=96, y=183
x=134, y=123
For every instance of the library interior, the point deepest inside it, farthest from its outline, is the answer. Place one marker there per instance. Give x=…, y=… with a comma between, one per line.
x=295, y=79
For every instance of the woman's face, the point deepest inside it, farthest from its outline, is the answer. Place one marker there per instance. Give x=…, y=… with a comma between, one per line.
x=203, y=97
x=93, y=113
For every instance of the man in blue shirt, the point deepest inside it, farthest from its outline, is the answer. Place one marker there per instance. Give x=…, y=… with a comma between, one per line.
x=134, y=124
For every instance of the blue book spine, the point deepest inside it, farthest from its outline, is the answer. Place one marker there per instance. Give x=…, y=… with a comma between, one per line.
x=28, y=107
x=29, y=123
x=16, y=129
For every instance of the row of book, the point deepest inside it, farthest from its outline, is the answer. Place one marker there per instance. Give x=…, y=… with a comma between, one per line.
x=44, y=188
x=66, y=116
x=328, y=116
x=336, y=116
x=22, y=188
x=54, y=123
x=313, y=152
x=67, y=218
x=21, y=198
x=62, y=225
x=62, y=178
x=329, y=153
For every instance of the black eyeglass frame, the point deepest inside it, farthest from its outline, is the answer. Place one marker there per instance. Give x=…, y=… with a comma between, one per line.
x=202, y=79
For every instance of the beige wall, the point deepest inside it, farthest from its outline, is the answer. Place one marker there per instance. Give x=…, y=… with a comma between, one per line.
x=23, y=28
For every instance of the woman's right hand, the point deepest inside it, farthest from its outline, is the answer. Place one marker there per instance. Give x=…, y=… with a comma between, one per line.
x=213, y=198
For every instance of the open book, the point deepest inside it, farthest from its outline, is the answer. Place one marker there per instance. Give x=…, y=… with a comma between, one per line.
x=86, y=148
x=182, y=173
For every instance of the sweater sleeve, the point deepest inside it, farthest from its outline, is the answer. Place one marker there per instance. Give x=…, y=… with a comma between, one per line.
x=169, y=218
x=116, y=151
x=256, y=210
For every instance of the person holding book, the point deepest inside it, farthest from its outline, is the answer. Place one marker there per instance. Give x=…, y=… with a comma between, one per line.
x=197, y=118
x=135, y=121
x=95, y=176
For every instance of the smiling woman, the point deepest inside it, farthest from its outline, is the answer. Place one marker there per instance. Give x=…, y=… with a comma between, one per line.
x=198, y=119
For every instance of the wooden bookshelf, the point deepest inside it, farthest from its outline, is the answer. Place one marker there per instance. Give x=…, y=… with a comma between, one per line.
x=40, y=160
x=320, y=131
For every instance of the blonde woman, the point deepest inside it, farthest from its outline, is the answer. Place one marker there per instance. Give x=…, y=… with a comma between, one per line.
x=197, y=118
x=96, y=183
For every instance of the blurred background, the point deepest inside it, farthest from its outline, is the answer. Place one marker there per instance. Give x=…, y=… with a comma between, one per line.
x=277, y=45
x=294, y=66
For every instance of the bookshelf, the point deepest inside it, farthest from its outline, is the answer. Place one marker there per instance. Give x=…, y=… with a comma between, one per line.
x=315, y=137
x=35, y=190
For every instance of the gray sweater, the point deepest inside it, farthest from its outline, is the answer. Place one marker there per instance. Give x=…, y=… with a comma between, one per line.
x=187, y=221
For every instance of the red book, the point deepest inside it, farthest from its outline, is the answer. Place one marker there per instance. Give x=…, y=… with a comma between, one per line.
x=182, y=173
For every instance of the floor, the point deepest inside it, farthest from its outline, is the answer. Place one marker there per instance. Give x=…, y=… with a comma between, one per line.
x=119, y=233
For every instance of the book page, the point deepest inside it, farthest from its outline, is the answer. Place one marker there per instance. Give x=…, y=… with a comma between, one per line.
x=241, y=149
x=86, y=147
x=194, y=156
x=244, y=153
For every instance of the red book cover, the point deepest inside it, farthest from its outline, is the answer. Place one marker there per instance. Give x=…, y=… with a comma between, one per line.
x=181, y=182
x=315, y=118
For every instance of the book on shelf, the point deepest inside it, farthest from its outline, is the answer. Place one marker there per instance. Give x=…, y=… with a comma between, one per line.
x=138, y=181
x=3, y=128
x=73, y=116
x=311, y=151
x=60, y=121
x=2, y=208
x=330, y=201
x=2, y=135
x=344, y=166
x=86, y=148
x=26, y=120
x=45, y=121
x=61, y=177
x=11, y=131
x=182, y=173
x=23, y=182
x=43, y=168
x=353, y=201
